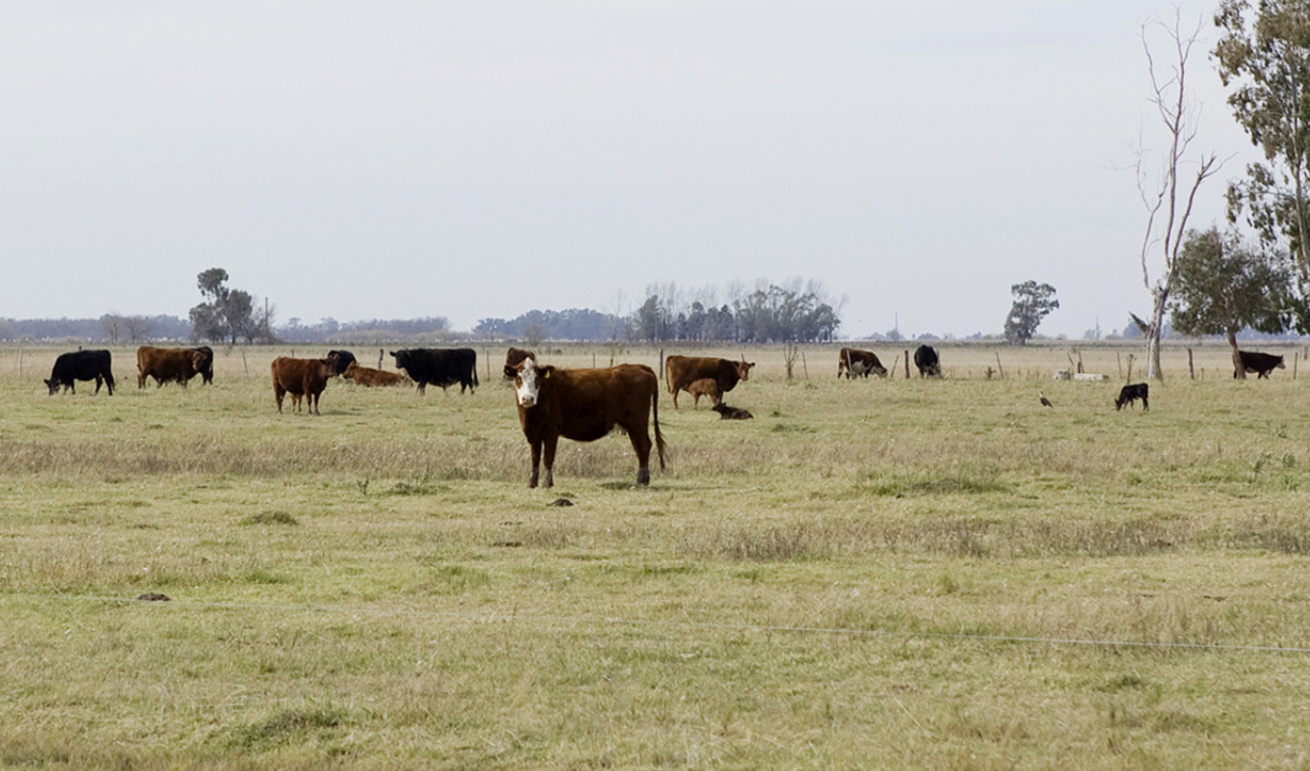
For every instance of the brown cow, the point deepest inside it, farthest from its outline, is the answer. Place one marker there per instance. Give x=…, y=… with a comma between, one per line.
x=681, y=371
x=855, y=362
x=704, y=387
x=367, y=376
x=585, y=405
x=512, y=359
x=180, y=364
x=302, y=377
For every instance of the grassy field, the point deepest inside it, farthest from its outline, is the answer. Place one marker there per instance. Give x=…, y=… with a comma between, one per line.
x=899, y=573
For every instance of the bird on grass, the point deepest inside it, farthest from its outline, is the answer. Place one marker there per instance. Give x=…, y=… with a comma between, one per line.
x=1045, y=402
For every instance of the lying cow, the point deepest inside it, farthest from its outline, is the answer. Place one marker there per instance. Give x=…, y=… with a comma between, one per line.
x=81, y=365
x=854, y=362
x=585, y=405
x=925, y=358
x=1131, y=393
x=681, y=371
x=1259, y=363
x=731, y=413
x=173, y=364
x=513, y=357
x=367, y=376
x=302, y=378
x=441, y=367
x=704, y=387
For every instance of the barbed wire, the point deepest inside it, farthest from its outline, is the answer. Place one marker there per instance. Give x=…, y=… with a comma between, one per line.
x=518, y=616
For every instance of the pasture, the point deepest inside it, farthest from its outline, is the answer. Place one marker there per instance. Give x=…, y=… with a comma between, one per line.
x=898, y=573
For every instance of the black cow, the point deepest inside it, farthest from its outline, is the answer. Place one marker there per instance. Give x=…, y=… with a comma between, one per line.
x=1259, y=363
x=344, y=358
x=442, y=367
x=81, y=365
x=1132, y=393
x=925, y=358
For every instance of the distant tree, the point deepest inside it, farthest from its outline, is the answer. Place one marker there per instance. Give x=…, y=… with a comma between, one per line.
x=226, y=314
x=1264, y=55
x=1167, y=196
x=1032, y=303
x=1223, y=286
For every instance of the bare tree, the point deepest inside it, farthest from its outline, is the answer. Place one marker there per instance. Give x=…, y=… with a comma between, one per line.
x=1168, y=199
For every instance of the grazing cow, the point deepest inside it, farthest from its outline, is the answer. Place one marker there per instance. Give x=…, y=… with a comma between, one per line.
x=681, y=371
x=731, y=413
x=442, y=367
x=925, y=358
x=367, y=376
x=585, y=405
x=854, y=362
x=1132, y=393
x=344, y=360
x=81, y=365
x=1260, y=363
x=180, y=364
x=704, y=387
x=302, y=377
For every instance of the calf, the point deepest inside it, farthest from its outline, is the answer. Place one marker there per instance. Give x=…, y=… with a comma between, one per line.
x=731, y=413
x=302, y=377
x=1260, y=363
x=180, y=364
x=681, y=371
x=854, y=362
x=367, y=376
x=704, y=387
x=1132, y=393
x=81, y=365
x=585, y=405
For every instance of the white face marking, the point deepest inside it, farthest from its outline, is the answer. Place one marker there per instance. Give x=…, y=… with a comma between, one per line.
x=526, y=390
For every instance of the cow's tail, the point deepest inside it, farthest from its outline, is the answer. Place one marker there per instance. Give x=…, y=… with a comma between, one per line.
x=655, y=412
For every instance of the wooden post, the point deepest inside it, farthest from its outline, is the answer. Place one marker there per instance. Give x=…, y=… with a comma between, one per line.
x=380, y=350
x=806, y=367
x=1295, y=356
x=999, y=369
x=1120, y=361
x=907, y=365
x=1192, y=372
x=593, y=359
x=244, y=365
x=1130, y=367
x=20, y=363
x=662, y=363
x=1080, y=362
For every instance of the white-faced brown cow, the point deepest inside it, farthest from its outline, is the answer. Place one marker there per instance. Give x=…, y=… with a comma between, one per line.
x=681, y=371
x=856, y=362
x=367, y=376
x=180, y=364
x=512, y=359
x=585, y=405
x=302, y=377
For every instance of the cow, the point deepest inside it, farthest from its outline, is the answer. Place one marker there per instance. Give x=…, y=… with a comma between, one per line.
x=1131, y=393
x=367, y=376
x=180, y=364
x=439, y=366
x=585, y=405
x=81, y=365
x=704, y=387
x=302, y=377
x=925, y=358
x=1260, y=363
x=731, y=413
x=681, y=371
x=512, y=359
x=344, y=360
x=854, y=362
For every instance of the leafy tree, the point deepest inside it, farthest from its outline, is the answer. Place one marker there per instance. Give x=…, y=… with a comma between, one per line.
x=1264, y=56
x=227, y=313
x=1223, y=286
x=1032, y=303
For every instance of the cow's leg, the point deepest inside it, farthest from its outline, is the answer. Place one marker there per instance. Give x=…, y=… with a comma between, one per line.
x=675, y=397
x=549, y=452
x=1146, y=404
x=278, y=392
x=536, y=463
x=641, y=446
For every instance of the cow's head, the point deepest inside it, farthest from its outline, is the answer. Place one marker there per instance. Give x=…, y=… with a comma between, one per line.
x=53, y=385
x=527, y=388
x=744, y=368
x=351, y=369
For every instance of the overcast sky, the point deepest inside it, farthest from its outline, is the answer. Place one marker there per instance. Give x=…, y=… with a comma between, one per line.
x=406, y=158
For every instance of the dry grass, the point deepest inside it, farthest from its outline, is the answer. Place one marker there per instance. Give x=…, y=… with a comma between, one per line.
x=886, y=573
